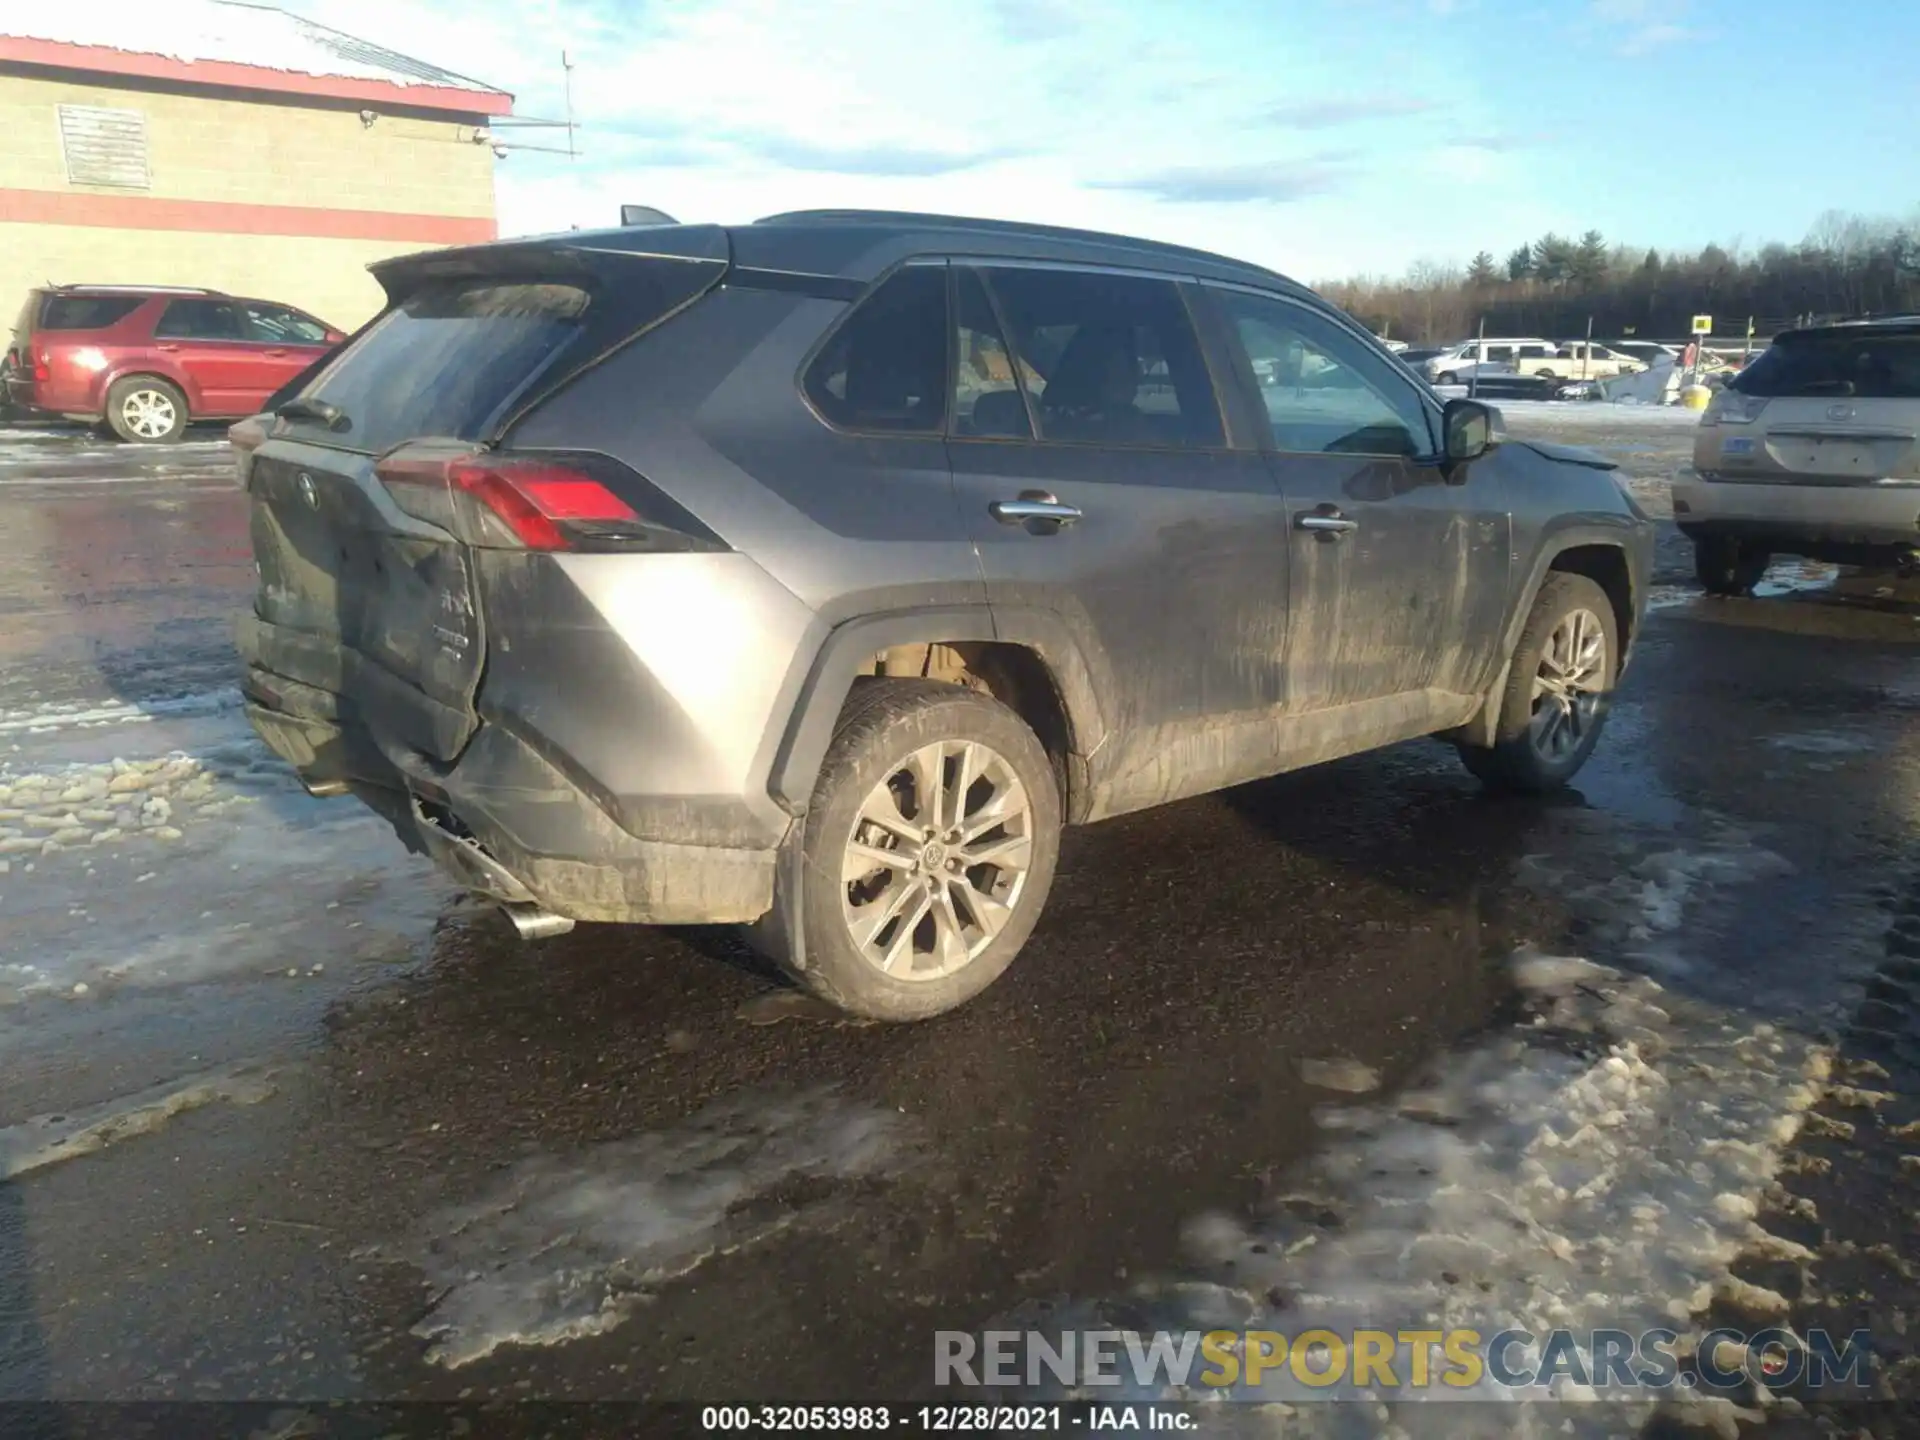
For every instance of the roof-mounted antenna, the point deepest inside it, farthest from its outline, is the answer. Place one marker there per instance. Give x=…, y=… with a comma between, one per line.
x=527, y=122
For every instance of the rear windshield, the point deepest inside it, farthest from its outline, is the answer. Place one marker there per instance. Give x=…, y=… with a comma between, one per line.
x=443, y=362
x=86, y=312
x=1869, y=366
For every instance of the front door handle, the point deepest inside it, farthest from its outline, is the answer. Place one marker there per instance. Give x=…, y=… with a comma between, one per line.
x=1039, y=511
x=168, y=348
x=1325, y=521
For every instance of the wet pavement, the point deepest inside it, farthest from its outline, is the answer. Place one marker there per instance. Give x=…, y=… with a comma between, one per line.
x=285, y=1119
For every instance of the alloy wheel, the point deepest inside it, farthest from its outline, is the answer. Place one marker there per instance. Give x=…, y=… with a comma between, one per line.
x=1567, y=686
x=937, y=860
x=148, y=414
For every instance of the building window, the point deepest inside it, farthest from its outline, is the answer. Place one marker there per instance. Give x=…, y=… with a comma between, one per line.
x=104, y=147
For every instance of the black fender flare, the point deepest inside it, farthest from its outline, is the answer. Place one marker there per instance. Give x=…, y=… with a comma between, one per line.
x=1480, y=729
x=816, y=708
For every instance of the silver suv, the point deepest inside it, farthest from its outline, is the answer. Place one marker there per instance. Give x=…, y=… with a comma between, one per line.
x=812, y=574
x=1813, y=450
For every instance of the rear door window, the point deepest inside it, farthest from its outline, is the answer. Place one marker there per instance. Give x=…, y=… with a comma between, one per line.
x=885, y=367
x=1108, y=359
x=199, y=320
x=1866, y=366
x=84, y=312
x=445, y=361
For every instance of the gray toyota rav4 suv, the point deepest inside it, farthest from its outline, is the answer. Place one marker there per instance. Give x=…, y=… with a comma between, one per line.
x=812, y=574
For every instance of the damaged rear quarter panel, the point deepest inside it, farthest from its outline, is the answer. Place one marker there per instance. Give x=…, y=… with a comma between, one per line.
x=648, y=680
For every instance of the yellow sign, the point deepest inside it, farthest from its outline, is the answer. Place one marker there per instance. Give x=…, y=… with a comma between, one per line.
x=1703, y=324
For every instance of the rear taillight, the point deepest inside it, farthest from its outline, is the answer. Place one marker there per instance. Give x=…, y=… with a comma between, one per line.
x=1730, y=407
x=43, y=366
x=543, y=505
x=539, y=502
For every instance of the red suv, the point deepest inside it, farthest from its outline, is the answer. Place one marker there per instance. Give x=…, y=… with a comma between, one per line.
x=146, y=359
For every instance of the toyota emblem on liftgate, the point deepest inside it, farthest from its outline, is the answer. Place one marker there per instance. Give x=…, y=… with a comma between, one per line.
x=307, y=492
x=1840, y=412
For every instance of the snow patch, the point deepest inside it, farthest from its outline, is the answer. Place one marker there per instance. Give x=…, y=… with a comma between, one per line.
x=48, y=719
x=1550, y=413
x=49, y=1139
x=567, y=1247
x=1599, y=1166
x=240, y=34
x=89, y=805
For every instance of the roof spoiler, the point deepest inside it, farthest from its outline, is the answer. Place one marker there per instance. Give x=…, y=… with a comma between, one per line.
x=575, y=254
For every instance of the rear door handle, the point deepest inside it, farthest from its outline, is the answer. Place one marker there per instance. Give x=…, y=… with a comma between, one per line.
x=1325, y=521
x=166, y=347
x=1035, y=509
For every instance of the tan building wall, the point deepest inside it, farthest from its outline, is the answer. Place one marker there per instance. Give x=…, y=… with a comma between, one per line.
x=224, y=169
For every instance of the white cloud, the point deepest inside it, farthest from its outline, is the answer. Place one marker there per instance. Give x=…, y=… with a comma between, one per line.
x=1129, y=119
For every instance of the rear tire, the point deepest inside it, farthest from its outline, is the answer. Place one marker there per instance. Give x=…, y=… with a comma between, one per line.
x=146, y=410
x=898, y=925
x=1726, y=566
x=1559, y=687
x=1448, y=378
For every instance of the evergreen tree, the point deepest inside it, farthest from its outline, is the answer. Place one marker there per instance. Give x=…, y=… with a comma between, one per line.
x=1588, y=264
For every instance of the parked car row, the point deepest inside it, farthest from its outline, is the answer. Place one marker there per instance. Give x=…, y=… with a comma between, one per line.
x=148, y=360
x=1567, y=360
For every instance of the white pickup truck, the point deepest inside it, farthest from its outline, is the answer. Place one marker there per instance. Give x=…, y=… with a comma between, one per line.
x=1579, y=360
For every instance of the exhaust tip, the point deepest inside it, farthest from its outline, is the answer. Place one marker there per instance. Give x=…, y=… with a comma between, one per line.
x=324, y=789
x=533, y=923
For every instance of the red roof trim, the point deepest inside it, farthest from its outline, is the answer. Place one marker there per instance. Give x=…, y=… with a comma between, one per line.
x=107, y=61
x=153, y=212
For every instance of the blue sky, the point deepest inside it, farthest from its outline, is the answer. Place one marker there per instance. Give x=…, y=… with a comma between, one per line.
x=1323, y=137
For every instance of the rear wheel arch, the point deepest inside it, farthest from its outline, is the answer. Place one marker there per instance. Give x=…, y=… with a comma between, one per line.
x=1026, y=662
x=145, y=369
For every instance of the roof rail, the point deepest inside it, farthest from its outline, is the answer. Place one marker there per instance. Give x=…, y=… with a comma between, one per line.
x=145, y=289
x=1003, y=227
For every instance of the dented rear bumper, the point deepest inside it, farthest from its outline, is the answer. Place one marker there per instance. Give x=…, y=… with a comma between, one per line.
x=503, y=820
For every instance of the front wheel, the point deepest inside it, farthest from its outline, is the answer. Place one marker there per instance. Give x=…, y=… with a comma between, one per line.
x=929, y=849
x=1558, y=690
x=1726, y=566
x=1447, y=377
x=144, y=409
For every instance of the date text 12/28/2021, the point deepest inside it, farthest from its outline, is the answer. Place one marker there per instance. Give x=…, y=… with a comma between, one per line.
x=1087, y=1419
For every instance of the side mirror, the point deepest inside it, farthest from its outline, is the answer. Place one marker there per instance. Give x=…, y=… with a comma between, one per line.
x=1470, y=429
